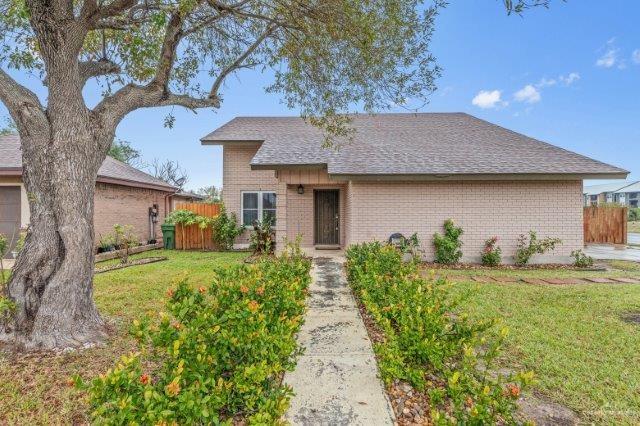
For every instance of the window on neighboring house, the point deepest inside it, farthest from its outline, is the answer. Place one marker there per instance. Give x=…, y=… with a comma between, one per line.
x=258, y=205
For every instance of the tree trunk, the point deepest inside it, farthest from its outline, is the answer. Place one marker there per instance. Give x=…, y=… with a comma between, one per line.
x=51, y=282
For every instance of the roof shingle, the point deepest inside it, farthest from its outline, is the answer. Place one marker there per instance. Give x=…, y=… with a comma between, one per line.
x=408, y=144
x=111, y=169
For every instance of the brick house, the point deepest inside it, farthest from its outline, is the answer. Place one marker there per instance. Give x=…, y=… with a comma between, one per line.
x=404, y=173
x=124, y=195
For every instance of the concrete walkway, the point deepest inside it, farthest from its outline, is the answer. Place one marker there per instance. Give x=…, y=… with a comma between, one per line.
x=336, y=379
x=604, y=252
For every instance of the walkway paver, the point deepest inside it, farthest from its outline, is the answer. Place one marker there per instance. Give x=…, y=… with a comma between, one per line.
x=336, y=379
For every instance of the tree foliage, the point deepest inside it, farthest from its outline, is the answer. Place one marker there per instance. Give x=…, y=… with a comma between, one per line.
x=326, y=57
x=211, y=194
x=123, y=151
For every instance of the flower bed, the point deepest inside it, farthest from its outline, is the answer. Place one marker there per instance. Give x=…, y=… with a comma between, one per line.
x=428, y=345
x=216, y=355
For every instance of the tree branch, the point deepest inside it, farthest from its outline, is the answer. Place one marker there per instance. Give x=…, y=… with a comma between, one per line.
x=90, y=69
x=238, y=62
x=132, y=97
x=23, y=105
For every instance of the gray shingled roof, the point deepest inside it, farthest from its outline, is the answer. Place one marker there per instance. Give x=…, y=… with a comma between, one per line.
x=605, y=187
x=408, y=144
x=634, y=187
x=111, y=169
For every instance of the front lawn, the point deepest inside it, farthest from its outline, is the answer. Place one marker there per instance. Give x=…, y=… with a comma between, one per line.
x=634, y=226
x=573, y=337
x=34, y=389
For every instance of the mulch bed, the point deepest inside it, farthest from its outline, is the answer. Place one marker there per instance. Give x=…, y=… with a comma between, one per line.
x=476, y=266
x=135, y=262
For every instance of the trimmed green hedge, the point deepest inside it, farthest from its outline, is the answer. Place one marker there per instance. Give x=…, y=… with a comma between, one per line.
x=430, y=343
x=218, y=353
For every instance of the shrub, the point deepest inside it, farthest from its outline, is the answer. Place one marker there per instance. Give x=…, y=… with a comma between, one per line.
x=581, y=259
x=4, y=247
x=429, y=343
x=262, y=237
x=183, y=218
x=226, y=229
x=216, y=355
x=528, y=247
x=492, y=254
x=448, y=245
x=124, y=238
x=203, y=223
x=411, y=246
x=634, y=214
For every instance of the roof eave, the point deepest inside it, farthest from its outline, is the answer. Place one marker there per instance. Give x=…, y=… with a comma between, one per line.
x=275, y=166
x=230, y=142
x=477, y=176
x=11, y=171
x=135, y=184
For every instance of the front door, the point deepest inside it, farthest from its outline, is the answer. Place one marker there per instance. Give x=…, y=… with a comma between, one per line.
x=327, y=217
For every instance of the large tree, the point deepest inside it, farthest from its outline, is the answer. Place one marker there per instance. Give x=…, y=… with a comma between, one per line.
x=326, y=57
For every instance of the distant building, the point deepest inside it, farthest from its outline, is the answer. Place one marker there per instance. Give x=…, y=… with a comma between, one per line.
x=629, y=195
x=624, y=193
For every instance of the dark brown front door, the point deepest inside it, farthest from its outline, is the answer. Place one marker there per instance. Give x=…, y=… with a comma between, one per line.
x=327, y=217
x=10, y=213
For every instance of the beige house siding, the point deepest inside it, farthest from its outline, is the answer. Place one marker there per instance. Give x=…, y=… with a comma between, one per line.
x=124, y=205
x=375, y=210
x=113, y=204
x=483, y=209
x=237, y=176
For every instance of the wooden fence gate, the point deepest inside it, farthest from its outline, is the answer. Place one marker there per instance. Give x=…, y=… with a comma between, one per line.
x=193, y=237
x=605, y=225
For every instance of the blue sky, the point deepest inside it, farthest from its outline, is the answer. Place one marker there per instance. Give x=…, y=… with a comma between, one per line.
x=569, y=75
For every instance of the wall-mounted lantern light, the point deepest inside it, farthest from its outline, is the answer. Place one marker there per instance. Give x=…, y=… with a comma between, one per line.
x=300, y=189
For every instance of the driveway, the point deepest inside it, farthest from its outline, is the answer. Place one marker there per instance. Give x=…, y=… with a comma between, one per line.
x=604, y=252
x=633, y=238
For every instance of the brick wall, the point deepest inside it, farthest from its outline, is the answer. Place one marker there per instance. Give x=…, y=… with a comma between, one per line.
x=237, y=176
x=483, y=209
x=126, y=205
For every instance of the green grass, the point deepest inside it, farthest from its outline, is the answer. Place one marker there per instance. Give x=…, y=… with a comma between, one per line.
x=584, y=356
x=33, y=388
x=634, y=226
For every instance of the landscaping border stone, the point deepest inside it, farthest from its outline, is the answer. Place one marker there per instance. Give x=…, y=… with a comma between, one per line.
x=101, y=257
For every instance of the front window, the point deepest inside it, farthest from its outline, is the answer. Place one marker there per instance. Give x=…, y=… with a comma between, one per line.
x=258, y=205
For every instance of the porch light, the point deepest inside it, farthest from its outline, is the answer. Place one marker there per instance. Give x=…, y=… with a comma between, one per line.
x=300, y=189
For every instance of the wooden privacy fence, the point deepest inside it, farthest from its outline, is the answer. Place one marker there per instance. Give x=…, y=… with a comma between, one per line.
x=605, y=225
x=192, y=234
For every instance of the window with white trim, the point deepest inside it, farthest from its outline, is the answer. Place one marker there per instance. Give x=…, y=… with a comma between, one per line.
x=258, y=205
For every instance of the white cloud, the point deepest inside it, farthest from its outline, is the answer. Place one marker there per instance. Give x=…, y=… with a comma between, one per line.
x=528, y=94
x=636, y=56
x=487, y=99
x=609, y=58
x=544, y=82
x=570, y=78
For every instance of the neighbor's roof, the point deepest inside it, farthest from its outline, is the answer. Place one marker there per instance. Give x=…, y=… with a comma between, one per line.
x=111, y=171
x=634, y=187
x=606, y=187
x=438, y=144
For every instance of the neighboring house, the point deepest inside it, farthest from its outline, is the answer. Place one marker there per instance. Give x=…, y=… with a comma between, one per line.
x=629, y=195
x=404, y=173
x=185, y=197
x=124, y=195
x=610, y=193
